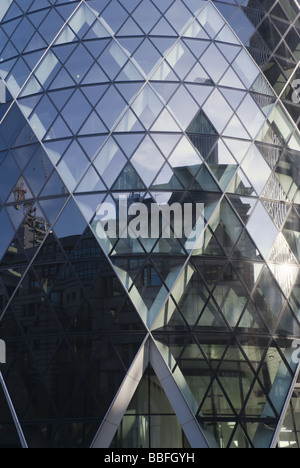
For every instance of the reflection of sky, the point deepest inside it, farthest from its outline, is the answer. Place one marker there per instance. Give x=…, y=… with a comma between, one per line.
x=147, y=161
x=184, y=155
x=262, y=229
x=256, y=169
x=218, y=111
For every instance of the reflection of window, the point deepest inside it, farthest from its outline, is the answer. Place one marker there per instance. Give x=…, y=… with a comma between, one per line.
x=151, y=278
x=149, y=421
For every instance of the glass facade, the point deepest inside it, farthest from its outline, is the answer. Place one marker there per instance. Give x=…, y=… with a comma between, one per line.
x=138, y=342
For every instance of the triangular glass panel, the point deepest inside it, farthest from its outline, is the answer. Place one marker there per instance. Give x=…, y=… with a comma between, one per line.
x=91, y=182
x=222, y=165
x=31, y=230
x=108, y=159
x=127, y=318
x=53, y=207
x=147, y=57
x=233, y=96
x=165, y=123
x=170, y=319
x=128, y=246
x=236, y=129
x=62, y=80
x=7, y=233
x=55, y=149
x=181, y=59
x=129, y=123
x=130, y=73
x=198, y=75
x=147, y=417
x=183, y=107
x=246, y=248
x=54, y=186
x=199, y=93
x=277, y=211
x=230, y=79
x=30, y=287
x=129, y=180
x=204, y=181
x=70, y=222
x=254, y=158
x=231, y=226
x=95, y=75
x=288, y=324
x=110, y=114
x=193, y=373
x=211, y=319
x=240, y=439
x=131, y=28
x=211, y=20
x=163, y=28
x=164, y=90
x=197, y=47
x=82, y=397
x=164, y=73
x=21, y=194
x=240, y=185
x=97, y=31
x=216, y=403
x=128, y=143
x=146, y=15
x=166, y=180
x=62, y=363
x=235, y=376
x=88, y=205
x=129, y=92
x=147, y=161
x=59, y=98
x=201, y=125
x=148, y=293
x=207, y=245
x=58, y=130
x=72, y=165
x=93, y=125
x=196, y=31
x=262, y=86
x=251, y=320
x=205, y=144
x=266, y=238
x=258, y=405
x=230, y=51
x=169, y=246
x=9, y=176
x=166, y=143
x=164, y=45
x=269, y=298
x=244, y=206
x=91, y=145
x=231, y=297
x=292, y=234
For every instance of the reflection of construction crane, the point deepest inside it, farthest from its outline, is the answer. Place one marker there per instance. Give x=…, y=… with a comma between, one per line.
x=20, y=191
x=20, y=194
x=33, y=228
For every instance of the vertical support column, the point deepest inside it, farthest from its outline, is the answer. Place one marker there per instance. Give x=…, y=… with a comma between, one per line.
x=124, y=396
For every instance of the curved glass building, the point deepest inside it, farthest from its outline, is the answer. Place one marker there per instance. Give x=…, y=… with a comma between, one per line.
x=139, y=341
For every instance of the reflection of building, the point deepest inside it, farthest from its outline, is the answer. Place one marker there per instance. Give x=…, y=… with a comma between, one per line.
x=149, y=342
